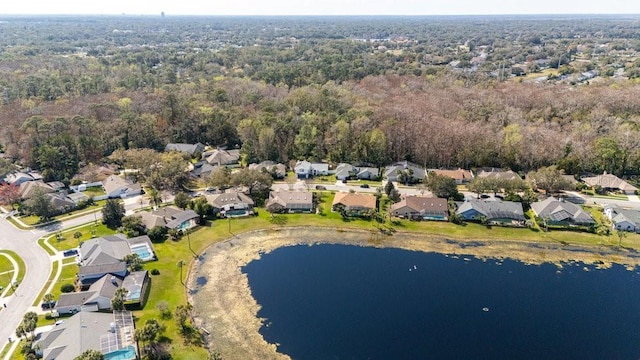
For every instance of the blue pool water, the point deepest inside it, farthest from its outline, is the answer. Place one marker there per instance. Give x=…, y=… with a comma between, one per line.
x=143, y=252
x=348, y=302
x=127, y=353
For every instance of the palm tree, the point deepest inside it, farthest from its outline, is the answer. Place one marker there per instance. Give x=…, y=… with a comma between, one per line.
x=180, y=265
x=48, y=299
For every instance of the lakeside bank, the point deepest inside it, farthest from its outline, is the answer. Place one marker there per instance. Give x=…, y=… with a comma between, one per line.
x=224, y=305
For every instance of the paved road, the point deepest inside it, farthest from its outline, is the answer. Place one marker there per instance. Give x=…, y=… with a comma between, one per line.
x=38, y=263
x=24, y=243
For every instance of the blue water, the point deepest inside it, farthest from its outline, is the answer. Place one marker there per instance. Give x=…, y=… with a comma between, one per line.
x=348, y=302
x=143, y=252
x=127, y=353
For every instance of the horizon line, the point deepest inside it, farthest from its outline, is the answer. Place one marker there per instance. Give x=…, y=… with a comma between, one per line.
x=160, y=14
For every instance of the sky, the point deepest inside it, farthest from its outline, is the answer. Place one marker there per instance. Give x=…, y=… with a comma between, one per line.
x=320, y=7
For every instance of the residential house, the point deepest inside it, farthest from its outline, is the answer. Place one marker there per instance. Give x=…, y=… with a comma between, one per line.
x=56, y=185
x=354, y=203
x=203, y=169
x=562, y=213
x=421, y=208
x=367, y=173
x=118, y=187
x=305, y=169
x=77, y=197
x=231, y=204
x=498, y=174
x=222, y=157
x=345, y=171
x=290, y=202
x=461, y=176
x=101, y=256
x=61, y=203
x=623, y=219
x=99, y=295
x=277, y=171
x=492, y=212
x=190, y=149
x=17, y=178
x=610, y=182
x=109, y=333
x=170, y=217
x=30, y=188
x=405, y=172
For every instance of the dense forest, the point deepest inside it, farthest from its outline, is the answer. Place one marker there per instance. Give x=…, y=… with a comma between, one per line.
x=516, y=92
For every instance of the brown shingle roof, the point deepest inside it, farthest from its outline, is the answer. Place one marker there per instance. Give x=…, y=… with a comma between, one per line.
x=353, y=200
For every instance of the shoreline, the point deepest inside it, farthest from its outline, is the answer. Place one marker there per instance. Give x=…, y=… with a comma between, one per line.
x=224, y=306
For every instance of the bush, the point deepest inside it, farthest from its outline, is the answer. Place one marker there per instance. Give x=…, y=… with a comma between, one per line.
x=67, y=288
x=155, y=272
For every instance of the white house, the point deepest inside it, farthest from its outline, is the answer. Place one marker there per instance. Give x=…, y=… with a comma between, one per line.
x=305, y=169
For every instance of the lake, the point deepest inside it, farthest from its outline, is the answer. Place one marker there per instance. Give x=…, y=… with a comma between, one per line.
x=352, y=302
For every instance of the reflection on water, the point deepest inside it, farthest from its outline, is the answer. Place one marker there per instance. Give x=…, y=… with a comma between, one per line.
x=349, y=302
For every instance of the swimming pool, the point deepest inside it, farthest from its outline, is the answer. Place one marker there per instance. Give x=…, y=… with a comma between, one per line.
x=127, y=353
x=144, y=252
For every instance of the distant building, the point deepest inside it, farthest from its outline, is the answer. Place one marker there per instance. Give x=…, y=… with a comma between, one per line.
x=190, y=149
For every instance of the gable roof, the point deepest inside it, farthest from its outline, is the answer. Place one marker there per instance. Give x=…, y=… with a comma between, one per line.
x=626, y=215
x=115, y=183
x=190, y=149
x=458, y=174
x=223, y=157
x=354, y=200
x=418, y=172
x=181, y=217
x=61, y=202
x=494, y=209
x=500, y=174
x=291, y=200
x=84, y=331
x=561, y=211
x=30, y=188
x=609, y=181
x=269, y=166
x=104, y=250
x=228, y=198
x=422, y=204
x=203, y=168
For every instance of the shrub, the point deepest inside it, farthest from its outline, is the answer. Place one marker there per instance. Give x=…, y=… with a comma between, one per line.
x=67, y=288
x=155, y=272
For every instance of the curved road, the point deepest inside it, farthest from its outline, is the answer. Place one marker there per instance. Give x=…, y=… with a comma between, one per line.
x=24, y=243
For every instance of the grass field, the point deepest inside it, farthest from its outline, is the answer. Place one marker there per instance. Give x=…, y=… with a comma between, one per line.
x=6, y=278
x=168, y=286
x=68, y=241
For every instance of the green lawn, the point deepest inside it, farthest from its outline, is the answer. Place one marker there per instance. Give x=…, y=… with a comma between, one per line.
x=67, y=276
x=32, y=220
x=54, y=271
x=5, y=265
x=5, y=280
x=167, y=286
x=68, y=241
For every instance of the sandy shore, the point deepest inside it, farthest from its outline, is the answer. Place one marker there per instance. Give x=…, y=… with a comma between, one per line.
x=225, y=307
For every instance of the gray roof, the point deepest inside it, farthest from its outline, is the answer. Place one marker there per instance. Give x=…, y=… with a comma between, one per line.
x=269, y=166
x=60, y=201
x=203, y=168
x=223, y=157
x=626, y=215
x=391, y=171
x=609, y=181
x=74, y=298
x=185, y=148
x=134, y=283
x=561, y=211
x=229, y=198
x=104, y=287
x=291, y=200
x=104, y=250
x=181, y=217
x=494, y=209
x=498, y=174
x=75, y=335
x=115, y=182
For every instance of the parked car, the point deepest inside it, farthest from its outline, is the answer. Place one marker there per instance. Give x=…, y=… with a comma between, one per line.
x=364, y=186
x=320, y=187
x=484, y=196
x=72, y=252
x=48, y=305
